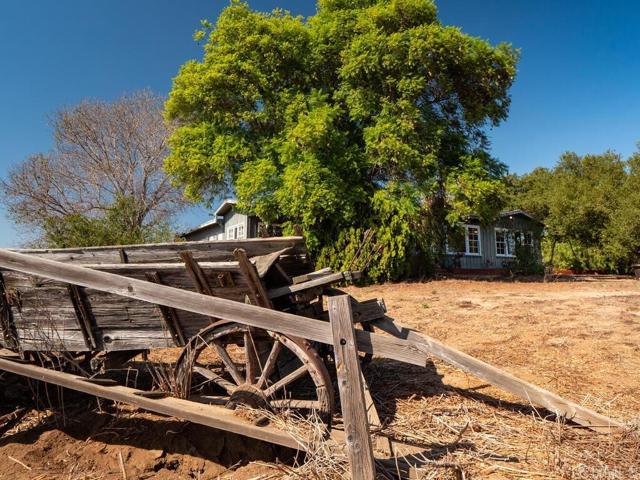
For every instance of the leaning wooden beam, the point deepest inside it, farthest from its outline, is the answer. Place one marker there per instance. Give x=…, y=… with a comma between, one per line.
x=365, y=311
x=525, y=390
x=352, y=399
x=286, y=323
x=83, y=315
x=323, y=272
x=318, y=282
x=9, y=333
x=251, y=276
x=169, y=315
x=210, y=415
x=195, y=272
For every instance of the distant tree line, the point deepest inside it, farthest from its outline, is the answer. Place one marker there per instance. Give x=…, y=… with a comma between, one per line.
x=103, y=181
x=591, y=207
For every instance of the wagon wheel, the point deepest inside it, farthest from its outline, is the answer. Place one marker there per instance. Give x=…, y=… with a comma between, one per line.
x=256, y=368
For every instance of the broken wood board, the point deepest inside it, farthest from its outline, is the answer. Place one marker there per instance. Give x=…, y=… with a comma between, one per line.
x=317, y=282
x=531, y=393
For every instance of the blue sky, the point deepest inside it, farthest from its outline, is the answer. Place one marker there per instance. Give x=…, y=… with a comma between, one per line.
x=577, y=85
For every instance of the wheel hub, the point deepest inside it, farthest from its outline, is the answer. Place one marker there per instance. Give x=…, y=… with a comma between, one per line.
x=249, y=396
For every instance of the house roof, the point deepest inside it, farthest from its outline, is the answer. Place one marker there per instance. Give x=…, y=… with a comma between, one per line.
x=203, y=226
x=512, y=213
x=225, y=206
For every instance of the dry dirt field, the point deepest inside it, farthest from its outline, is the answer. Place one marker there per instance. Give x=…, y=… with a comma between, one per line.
x=580, y=340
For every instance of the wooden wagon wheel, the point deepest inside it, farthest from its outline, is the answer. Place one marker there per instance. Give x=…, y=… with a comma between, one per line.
x=256, y=368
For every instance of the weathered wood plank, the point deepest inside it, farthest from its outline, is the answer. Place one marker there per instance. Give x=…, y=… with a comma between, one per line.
x=317, y=282
x=365, y=311
x=9, y=334
x=525, y=390
x=169, y=315
x=354, y=411
x=209, y=415
x=289, y=324
x=251, y=276
x=84, y=315
x=264, y=262
x=323, y=272
x=195, y=272
x=221, y=250
x=124, y=268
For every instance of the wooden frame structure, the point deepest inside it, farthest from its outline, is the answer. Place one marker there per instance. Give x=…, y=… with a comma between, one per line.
x=96, y=272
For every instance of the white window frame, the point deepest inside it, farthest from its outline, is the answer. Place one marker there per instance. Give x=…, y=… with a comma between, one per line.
x=241, y=234
x=466, y=242
x=509, y=242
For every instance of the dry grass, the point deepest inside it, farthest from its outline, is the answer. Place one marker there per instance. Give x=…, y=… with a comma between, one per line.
x=579, y=340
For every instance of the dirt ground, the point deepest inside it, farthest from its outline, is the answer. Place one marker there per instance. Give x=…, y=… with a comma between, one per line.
x=580, y=340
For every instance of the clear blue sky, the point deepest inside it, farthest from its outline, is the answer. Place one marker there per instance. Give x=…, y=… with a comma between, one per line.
x=577, y=86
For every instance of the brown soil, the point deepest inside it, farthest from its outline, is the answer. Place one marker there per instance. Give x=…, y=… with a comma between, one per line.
x=581, y=340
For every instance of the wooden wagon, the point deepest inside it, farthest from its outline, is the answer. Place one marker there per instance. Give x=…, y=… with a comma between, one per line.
x=255, y=325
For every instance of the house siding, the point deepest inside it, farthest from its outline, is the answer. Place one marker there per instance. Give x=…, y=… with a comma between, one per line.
x=231, y=219
x=211, y=232
x=489, y=258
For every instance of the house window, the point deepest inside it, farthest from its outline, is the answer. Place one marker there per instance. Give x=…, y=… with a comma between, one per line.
x=467, y=241
x=527, y=239
x=236, y=232
x=472, y=240
x=504, y=243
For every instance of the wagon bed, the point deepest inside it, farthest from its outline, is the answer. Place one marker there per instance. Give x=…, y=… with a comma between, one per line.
x=49, y=315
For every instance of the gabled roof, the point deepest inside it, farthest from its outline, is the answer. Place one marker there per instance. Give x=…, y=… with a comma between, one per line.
x=513, y=213
x=225, y=206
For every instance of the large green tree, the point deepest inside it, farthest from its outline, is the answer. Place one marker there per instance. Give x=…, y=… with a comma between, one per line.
x=361, y=124
x=591, y=207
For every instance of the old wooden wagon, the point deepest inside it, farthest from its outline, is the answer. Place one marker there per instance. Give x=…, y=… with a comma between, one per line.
x=255, y=325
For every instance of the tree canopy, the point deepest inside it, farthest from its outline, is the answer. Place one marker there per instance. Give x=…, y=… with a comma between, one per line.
x=591, y=207
x=360, y=122
x=106, y=162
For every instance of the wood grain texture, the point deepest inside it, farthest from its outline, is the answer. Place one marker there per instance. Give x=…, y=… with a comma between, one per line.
x=316, y=282
x=220, y=250
x=222, y=308
x=530, y=393
x=252, y=277
x=352, y=399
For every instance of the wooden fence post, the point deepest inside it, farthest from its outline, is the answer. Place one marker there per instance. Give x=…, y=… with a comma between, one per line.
x=354, y=410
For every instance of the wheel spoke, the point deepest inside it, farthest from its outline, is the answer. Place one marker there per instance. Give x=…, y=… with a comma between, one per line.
x=270, y=363
x=228, y=362
x=251, y=356
x=292, y=377
x=215, y=378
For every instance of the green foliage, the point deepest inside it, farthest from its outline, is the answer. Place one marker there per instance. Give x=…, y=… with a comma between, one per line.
x=114, y=228
x=368, y=116
x=591, y=208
